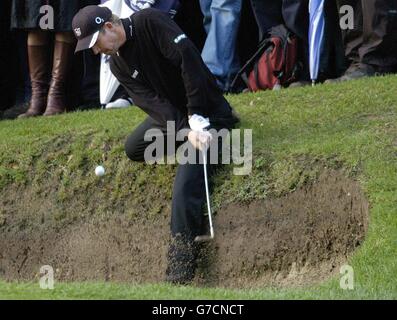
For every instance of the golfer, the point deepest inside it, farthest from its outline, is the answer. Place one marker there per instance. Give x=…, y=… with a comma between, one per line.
x=163, y=73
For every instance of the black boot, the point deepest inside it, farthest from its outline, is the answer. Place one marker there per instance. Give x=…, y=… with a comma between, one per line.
x=182, y=255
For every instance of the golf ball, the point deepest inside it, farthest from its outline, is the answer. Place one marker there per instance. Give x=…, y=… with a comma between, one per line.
x=100, y=171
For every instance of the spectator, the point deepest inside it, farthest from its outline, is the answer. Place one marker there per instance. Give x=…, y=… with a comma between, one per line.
x=7, y=63
x=120, y=100
x=15, y=74
x=190, y=19
x=48, y=97
x=371, y=46
x=294, y=14
x=88, y=73
x=221, y=23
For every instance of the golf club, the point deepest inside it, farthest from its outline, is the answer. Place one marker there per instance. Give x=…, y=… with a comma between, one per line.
x=211, y=236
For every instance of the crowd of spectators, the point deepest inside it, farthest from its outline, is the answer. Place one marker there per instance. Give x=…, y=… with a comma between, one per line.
x=41, y=75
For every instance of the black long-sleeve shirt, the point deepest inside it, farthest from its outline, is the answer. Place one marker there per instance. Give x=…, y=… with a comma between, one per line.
x=163, y=72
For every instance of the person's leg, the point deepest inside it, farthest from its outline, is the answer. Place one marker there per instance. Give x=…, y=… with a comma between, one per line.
x=205, y=6
x=353, y=38
x=181, y=254
x=38, y=52
x=135, y=144
x=296, y=18
x=63, y=54
x=89, y=89
x=25, y=86
x=267, y=15
x=186, y=223
x=379, y=48
x=220, y=50
x=8, y=62
x=375, y=51
x=189, y=194
x=188, y=199
x=187, y=219
x=190, y=20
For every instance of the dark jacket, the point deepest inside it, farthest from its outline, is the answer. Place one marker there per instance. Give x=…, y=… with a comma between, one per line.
x=164, y=74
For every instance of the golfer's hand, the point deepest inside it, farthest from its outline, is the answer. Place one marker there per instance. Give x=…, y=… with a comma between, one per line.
x=200, y=139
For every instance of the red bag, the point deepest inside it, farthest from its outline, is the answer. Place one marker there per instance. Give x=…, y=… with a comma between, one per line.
x=274, y=64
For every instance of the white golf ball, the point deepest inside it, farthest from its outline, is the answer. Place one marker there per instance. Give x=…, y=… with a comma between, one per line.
x=100, y=171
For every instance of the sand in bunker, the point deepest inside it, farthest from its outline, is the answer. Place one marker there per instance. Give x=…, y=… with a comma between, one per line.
x=301, y=238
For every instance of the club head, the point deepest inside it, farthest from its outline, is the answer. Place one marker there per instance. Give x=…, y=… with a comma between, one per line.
x=204, y=238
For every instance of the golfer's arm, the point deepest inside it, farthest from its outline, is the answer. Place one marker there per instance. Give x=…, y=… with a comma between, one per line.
x=158, y=108
x=181, y=52
x=145, y=98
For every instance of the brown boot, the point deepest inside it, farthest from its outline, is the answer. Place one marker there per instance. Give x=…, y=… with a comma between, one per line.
x=63, y=53
x=39, y=72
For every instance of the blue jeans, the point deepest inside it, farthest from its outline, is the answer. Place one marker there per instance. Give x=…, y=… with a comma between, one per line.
x=221, y=22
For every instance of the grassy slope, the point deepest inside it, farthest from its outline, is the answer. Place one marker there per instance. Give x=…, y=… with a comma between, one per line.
x=352, y=124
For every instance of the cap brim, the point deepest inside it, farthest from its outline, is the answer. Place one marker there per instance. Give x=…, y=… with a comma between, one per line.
x=87, y=42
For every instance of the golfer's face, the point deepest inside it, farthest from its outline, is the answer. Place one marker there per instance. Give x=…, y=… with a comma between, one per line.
x=107, y=43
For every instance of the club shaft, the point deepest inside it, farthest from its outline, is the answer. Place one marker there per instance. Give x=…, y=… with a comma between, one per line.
x=207, y=192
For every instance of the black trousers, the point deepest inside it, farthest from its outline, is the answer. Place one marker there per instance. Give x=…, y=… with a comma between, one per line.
x=373, y=41
x=189, y=196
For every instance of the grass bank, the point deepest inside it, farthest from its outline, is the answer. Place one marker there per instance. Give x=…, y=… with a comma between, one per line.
x=296, y=133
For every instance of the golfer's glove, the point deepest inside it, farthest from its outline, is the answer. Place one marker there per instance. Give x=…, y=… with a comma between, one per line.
x=199, y=123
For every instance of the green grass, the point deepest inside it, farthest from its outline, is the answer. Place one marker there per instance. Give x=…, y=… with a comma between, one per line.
x=296, y=132
x=114, y=291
